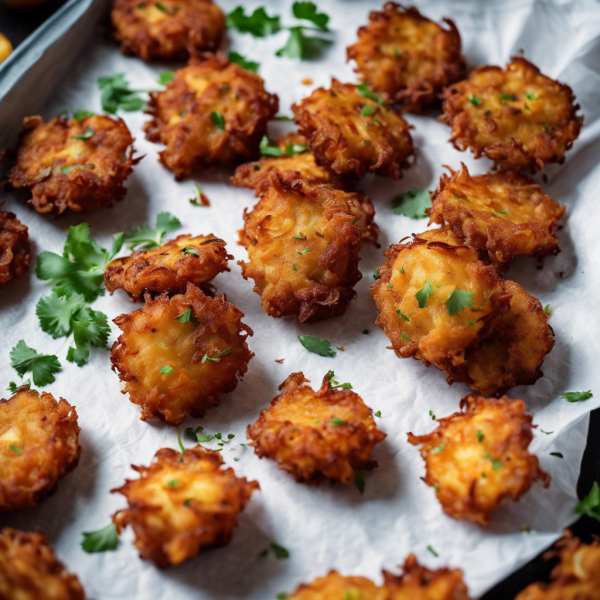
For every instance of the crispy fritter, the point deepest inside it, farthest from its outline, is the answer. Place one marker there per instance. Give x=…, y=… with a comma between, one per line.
x=167, y=30
x=423, y=296
x=175, y=362
x=334, y=586
x=327, y=433
x=14, y=247
x=169, y=268
x=73, y=164
x=477, y=459
x=516, y=116
x=212, y=113
x=39, y=444
x=29, y=569
x=182, y=503
x=352, y=134
x=407, y=58
x=504, y=213
x=303, y=243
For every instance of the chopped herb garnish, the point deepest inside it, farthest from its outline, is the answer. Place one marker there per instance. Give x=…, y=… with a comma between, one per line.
x=13, y=388
x=86, y=135
x=496, y=462
x=530, y=96
x=67, y=170
x=215, y=358
x=145, y=238
x=166, y=77
x=546, y=432
x=191, y=250
x=258, y=24
x=219, y=120
x=501, y=212
x=294, y=267
x=544, y=125
x=475, y=101
x=472, y=323
x=198, y=435
x=200, y=199
x=436, y=486
x=458, y=300
x=547, y=309
x=100, y=540
x=15, y=449
x=166, y=369
x=267, y=150
x=479, y=435
x=115, y=94
x=308, y=12
x=294, y=149
x=359, y=482
x=24, y=359
x=364, y=90
x=590, y=504
x=187, y=317
x=439, y=448
x=238, y=59
x=367, y=110
x=405, y=337
x=576, y=396
x=303, y=252
x=432, y=551
x=317, y=345
x=338, y=421
x=412, y=204
x=376, y=276
x=282, y=118
x=559, y=454
x=432, y=415
x=172, y=483
x=424, y=293
x=78, y=115
x=334, y=384
x=504, y=97
x=402, y=314
x=279, y=551
x=365, y=331
x=378, y=414
x=355, y=222
x=398, y=53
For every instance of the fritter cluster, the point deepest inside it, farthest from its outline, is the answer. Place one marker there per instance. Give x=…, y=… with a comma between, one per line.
x=14, y=247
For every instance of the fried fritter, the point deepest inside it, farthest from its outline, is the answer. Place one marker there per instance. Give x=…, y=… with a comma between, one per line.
x=516, y=116
x=73, y=164
x=212, y=113
x=169, y=268
x=178, y=355
x=39, y=444
x=303, y=243
x=14, y=247
x=477, y=459
x=29, y=569
x=167, y=30
x=407, y=58
x=334, y=586
x=328, y=433
x=182, y=503
x=436, y=300
x=504, y=213
x=353, y=134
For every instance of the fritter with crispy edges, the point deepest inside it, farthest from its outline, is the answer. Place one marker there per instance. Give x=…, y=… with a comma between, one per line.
x=178, y=355
x=477, y=460
x=405, y=57
x=516, y=116
x=212, y=113
x=328, y=433
x=73, y=164
x=182, y=503
x=169, y=268
x=167, y=30
x=14, y=247
x=334, y=586
x=29, y=569
x=39, y=444
x=354, y=134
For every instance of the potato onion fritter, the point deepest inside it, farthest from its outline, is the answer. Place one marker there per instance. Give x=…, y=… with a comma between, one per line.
x=406, y=57
x=212, y=113
x=14, y=247
x=328, y=433
x=182, y=503
x=353, y=134
x=476, y=460
x=516, y=116
x=504, y=213
x=169, y=268
x=29, y=569
x=178, y=355
x=168, y=29
x=334, y=586
x=73, y=164
x=39, y=444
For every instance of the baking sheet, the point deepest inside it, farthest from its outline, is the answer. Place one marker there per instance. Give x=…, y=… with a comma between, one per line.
x=327, y=526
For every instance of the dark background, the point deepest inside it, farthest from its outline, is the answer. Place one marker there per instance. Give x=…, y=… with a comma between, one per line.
x=18, y=25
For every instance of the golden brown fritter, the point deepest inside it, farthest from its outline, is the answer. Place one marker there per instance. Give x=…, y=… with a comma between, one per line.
x=515, y=351
x=14, y=247
x=178, y=355
x=212, y=113
x=476, y=460
x=169, y=268
x=29, y=569
x=39, y=444
x=182, y=503
x=167, y=30
x=407, y=58
x=504, y=213
x=436, y=300
x=516, y=116
x=334, y=586
x=353, y=134
x=327, y=433
x=73, y=164
x=303, y=243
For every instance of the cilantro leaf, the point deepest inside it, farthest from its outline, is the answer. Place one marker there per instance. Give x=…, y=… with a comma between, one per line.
x=457, y=300
x=78, y=115
x=238, y=59
x=308, y=12
x=590, y=504
x=258, y=24
x=166, y=77
x=42, y=366
x=145, y=238
x=198, y=435
x=267, y=150
x=301, y=46
x=317, y=345
x=576, y=396
x=412, y=204
x=364, y=90
x=423, y=294
x=100, y=540
x=115, y=94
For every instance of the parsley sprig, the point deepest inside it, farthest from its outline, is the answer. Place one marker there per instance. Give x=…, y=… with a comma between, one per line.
x=413, y=204
x=24, y=359
x=101, y=539
x=115, y=94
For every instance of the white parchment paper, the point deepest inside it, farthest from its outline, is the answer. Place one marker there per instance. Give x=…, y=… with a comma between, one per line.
x=329, y=526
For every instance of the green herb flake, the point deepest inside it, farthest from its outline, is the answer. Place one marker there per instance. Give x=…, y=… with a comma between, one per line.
x=79, y=115
x=558, y=454
x=146, y=238
x=436, y=487
x=576, y=396
x=317, y=345
x=166, y=77
x=267, y=150
x=439, y=448
x=475, y=101
x=590, y=504
x=376, y=276
x=546, y=432
x=424, y=293
x=378, y=414
x=480, y=435
x=238, y=59
x=86, y=135
x=405, y=337
x=24, y=359
x=67, y=170
x=16, y=449
x=308, y=11
x=294, y=267
x=187, y=317
x=218, y=119
x=166, y=369
x=412, y=204
x=530, y=96
x=216, y=357
x=279, y=551
x=192, y=251
x=303, y=252
x=432, y=415
x=365, y=331
x=432, y=551
x=359, y=482
x=547, y=309
x=338, y=421
x=173, y=483
x=257, y=24
x=367, y=110
x=458, y=300
x=101, y=540
x=115, y=94
x=364, y=90
x=402, y=314
x=504, y=97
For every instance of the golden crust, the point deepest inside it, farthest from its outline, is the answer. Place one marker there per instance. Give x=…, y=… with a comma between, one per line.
x=183, y=115
x=46, y=148
x=313, y=276
x=349, y=143
x=503, y=213
x=298, y=432
x=169, y=268
x=153, y=338
x=536, y=127
x=29, y=569
x=406, y=57
x=149, y=32
x=39, y=444
x=14, y=247
x=182, y=503
x=334, y=586
x=478, y=459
